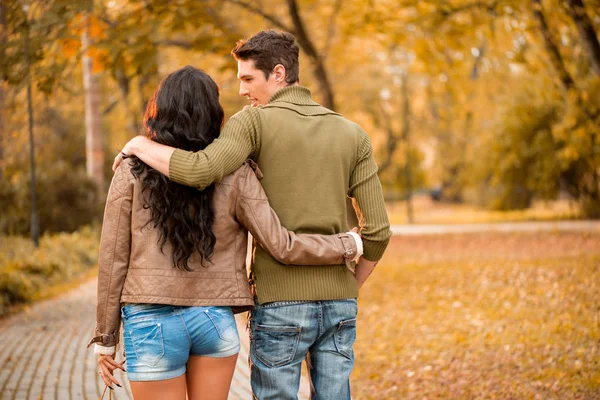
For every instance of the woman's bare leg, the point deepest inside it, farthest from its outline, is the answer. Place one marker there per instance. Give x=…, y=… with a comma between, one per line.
x=168, y=389
x=209, y=378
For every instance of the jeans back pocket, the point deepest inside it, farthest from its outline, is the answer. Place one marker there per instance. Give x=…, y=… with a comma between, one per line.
x=345, y=336
x=275, y=346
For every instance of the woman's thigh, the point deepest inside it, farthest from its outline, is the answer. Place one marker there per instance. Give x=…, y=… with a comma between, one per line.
x=169, y=389
x=209, y=378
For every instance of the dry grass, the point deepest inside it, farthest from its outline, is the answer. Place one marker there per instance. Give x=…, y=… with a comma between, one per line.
x=427, y=211
x=28, y=274
x=493, y=316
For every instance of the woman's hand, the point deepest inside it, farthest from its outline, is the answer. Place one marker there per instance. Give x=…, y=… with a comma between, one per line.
x=107, y=365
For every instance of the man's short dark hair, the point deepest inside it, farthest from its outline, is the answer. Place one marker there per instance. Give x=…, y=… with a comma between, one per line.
x=267, y=49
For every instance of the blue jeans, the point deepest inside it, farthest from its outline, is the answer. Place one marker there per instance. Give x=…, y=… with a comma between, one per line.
x=285, y=333
x=159, y=339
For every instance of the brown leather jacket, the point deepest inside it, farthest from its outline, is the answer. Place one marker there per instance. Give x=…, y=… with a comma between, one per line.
x=132, y=268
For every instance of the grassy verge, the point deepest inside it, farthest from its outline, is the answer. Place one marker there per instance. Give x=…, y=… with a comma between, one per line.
x=28, y=274
x=426, y=211
x=494, y=316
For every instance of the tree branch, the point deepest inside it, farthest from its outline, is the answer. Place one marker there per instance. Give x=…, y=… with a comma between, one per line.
x=551, y=47
x=255, y=10
x=449, y=11
x=481, y=51
x=587, y=32
x=184, y=44
x=311, y=51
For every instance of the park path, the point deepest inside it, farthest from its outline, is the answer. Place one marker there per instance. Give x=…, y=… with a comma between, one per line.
x=537, y=226
x=43, y=353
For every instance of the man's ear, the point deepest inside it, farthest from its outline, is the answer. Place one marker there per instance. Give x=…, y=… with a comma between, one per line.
x=279, y=73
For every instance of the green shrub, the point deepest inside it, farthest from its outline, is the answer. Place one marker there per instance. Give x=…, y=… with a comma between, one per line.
x=26, y=271
x=65, y=200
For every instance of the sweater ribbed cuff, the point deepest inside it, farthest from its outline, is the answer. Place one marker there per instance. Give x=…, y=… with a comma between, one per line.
x=179, y=169
x=373, y=250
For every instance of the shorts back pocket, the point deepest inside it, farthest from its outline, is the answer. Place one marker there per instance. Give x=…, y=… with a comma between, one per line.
x=148, y=343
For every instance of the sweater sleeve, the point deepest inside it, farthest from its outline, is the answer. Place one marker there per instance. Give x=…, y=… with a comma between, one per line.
x=365, y=188
x=239, y=139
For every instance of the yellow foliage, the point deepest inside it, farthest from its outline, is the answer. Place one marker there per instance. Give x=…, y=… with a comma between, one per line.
x=70, y=47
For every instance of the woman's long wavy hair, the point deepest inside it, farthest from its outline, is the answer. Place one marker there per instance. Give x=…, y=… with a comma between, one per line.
x=184, y=113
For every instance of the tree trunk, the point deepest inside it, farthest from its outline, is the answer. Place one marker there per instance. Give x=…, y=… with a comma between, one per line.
x=2, y=132
x=124, y=84
x=407, y=147
x=35, y=224
x=311, y=51
x=93, y=128
x=587, y=32
x=2, y=127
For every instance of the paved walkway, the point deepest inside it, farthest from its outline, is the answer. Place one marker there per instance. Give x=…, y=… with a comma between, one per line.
x=432, y=229
x=43, y=353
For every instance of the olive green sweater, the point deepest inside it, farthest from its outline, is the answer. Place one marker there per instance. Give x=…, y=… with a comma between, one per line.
x=311, y=158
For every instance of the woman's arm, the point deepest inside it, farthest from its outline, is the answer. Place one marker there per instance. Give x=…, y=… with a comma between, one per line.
x=113, y=261
x=254, y=212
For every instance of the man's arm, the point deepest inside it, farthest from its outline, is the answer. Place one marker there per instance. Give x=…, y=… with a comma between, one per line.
x=254, y=212
x=366, y=189
x=154, y=154
x=239, y=139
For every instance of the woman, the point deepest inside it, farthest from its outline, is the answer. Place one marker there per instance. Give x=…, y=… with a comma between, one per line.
x=172, y=259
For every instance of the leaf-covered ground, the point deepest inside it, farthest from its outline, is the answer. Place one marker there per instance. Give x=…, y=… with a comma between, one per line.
x=482, y=316
x=426, y=211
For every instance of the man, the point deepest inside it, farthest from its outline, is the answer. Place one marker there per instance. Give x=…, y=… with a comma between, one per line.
x=312, y=159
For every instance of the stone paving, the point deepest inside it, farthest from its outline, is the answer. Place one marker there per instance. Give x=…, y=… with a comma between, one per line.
x=43, y=353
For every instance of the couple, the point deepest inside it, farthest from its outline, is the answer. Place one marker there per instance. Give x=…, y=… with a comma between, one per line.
x=172, y=258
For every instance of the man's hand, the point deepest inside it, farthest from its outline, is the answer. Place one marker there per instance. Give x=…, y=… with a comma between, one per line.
x=364, y=268
x=107, y=365
x=128, y=150
x=155, y=155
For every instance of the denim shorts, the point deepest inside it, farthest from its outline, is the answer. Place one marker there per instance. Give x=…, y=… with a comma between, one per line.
x=159, y=339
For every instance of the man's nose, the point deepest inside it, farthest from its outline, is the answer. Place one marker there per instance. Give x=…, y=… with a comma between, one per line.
x=243, y=90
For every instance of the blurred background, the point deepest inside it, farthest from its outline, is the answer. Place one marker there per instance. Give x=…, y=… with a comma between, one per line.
x=479, y=111
x=492, y=104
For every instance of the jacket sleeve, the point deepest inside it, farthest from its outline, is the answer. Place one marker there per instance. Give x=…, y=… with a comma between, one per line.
x=365, y=188
x=238, y=140
x=113, y=261
x=254, y=212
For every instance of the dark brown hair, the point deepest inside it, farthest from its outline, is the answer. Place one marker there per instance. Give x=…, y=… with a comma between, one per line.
x=269, y=48
x=184, y=113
